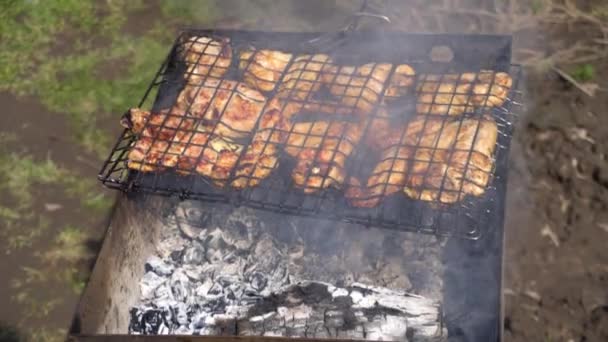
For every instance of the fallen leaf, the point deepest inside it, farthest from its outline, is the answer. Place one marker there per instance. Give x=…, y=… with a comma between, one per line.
x=546, y=231
x=578, y=133
x=52, y=206
x=533, y=295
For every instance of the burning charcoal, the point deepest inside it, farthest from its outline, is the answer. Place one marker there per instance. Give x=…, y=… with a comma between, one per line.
x=163, y=293
x=216, y=247
x=180, y=312
x=192, y=219
x=158, y=266
x=149, y=283
x=170, y=243
x=183, y=330
x=203, y=289
x=150, y=321
x=258, y=281
x=180, y=286
x=216, y=291
x=334, y=318
x=195, y=254
x=194, y=272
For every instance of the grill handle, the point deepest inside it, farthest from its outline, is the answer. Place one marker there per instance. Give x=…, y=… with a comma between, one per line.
x=329, y=41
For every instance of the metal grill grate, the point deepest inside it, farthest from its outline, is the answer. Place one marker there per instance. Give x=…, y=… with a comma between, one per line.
x=337, y=136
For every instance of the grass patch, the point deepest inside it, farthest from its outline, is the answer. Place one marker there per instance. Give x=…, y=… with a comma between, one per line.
x=62, y=52
x=584, y=73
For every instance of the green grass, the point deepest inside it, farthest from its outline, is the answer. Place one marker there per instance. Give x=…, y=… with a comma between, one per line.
x=584, y=73
x=62, y=52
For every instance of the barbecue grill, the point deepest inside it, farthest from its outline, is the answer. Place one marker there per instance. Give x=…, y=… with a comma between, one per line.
x=469, y=229
x=468, y=218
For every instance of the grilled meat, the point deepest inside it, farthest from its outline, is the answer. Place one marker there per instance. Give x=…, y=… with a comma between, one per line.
x=464, y=168
x=209, y=155
x=228, y=108
x=401, y=82
x=261, y=156
x=262, y=69
x=159, y=134
x=455, y=94
x=357, y=87
x=321, y=164
x=398, y=146
x=206, y=58
x=168, y=140
x=432, y=159
x=303, y=78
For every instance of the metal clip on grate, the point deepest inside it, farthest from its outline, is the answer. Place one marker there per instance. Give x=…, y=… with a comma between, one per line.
x=358, y=135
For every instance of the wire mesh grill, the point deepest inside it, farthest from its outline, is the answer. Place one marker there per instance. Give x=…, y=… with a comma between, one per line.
x=371, y=134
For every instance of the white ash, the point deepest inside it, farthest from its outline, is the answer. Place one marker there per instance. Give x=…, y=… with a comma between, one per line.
x=237, y=272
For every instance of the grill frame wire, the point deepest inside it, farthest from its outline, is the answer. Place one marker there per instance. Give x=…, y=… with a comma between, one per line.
x=472, y=210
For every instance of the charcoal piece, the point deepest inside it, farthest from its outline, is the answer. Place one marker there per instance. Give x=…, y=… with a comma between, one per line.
x=180, y=313
x=170, y=243
x=150, y=321
x=194, y=254
x=163, y=294
x=183, y=330
x=203, y=289
x=148, y=284
x=176, y=256
x=158, y=266
x=216, y=290
x=194, y=272
x=215, y=247
x=180, y=286
x=192, y=219
x=258, y=281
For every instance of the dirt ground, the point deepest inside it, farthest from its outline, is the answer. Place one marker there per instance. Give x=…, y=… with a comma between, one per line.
x=556, y=261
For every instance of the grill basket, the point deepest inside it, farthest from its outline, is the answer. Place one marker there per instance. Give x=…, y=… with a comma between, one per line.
x=343, y=137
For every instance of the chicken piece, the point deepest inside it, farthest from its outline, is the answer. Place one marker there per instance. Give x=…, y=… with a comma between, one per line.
x=401, y=82
x=462, y=169
x=358, y=87
x=159, y=134
x=322, y=147
x=261, y=156
x=228, y=108
x=206, y=58
x=209, y=155
x=147, y=155
x=262, y=69
x=491, y=89
x=444, y=94
x=303, y=78
x=398, y=147
x=168, y=125
x=455, y=94
x=321, y=165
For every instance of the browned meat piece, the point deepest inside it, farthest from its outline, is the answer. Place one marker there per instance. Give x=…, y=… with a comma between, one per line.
x=303, y=77
x=320, y=164
x=157, y=145
x=261, y=156
x=228, y=108
x=398, y=146
x=167, y=140
x=401, y=82
x=463, y=169
x=357, y=87
x=209, y=155
x=454, y=94
x=206, y=58
x=262, y=69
